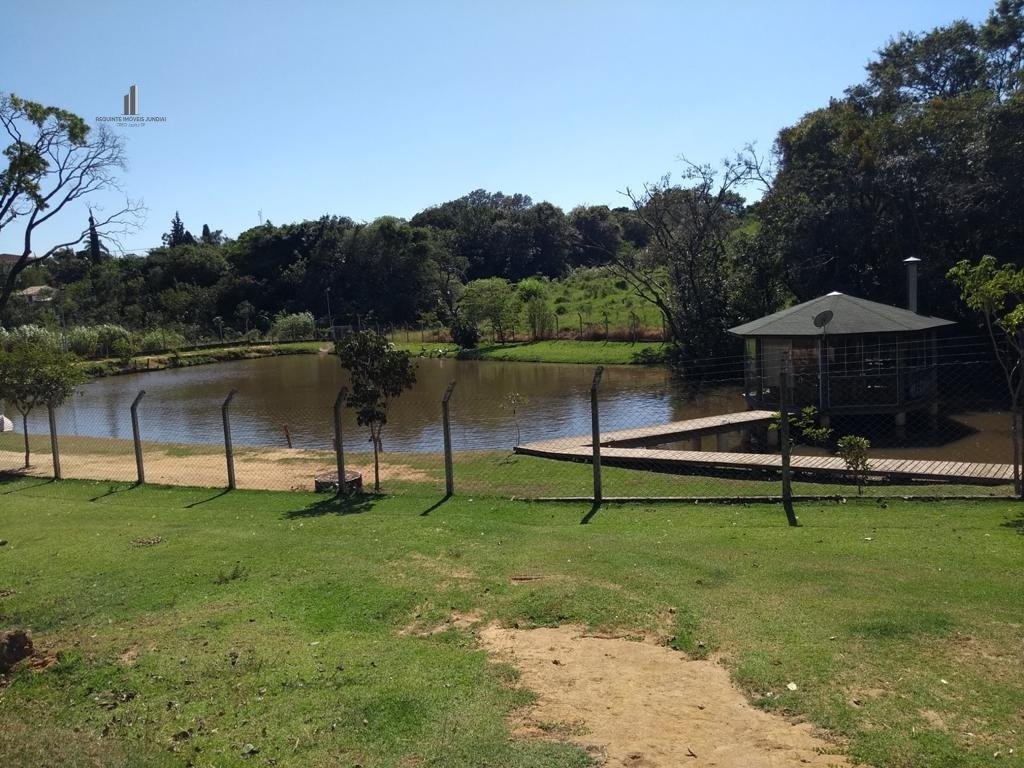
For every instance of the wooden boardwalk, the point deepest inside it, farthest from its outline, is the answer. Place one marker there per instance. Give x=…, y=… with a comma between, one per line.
x=616, y=451
x=685, y=430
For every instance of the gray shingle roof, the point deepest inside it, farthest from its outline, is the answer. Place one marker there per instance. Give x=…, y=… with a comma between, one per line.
x=849, y=315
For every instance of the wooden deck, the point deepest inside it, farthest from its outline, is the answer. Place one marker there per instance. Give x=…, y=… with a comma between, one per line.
x=685, y=430
x=616, y=451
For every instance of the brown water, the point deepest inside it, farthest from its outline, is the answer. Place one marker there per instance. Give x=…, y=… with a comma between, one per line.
x=183, y=406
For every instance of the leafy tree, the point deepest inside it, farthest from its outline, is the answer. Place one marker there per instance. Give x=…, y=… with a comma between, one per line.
x=921, y=159
x=533, y=292
x=996, y=292
x=684, y=268
x=296, y=327
x=54, y=159
x=490, y=300
x=33, y=373
x=380, y=374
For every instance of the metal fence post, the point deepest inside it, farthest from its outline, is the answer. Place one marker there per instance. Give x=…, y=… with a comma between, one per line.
x=339, y=446
x=449, y=475
x=139, y=468
x=786, y=371
x=54, y=449
x=595, y=431
x=229, y=451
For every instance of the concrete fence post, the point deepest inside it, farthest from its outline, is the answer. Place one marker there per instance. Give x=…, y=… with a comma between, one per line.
x=229, y=451
x=339, y=445
x=595, y=432
x=139, y=467
x=54, y=448
x=449, y=474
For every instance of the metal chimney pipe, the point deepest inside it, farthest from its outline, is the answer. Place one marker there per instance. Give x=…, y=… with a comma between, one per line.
x=912, y=263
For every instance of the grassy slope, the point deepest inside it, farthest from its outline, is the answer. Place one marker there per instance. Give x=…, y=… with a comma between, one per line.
x=269, y=619
x=588, y=352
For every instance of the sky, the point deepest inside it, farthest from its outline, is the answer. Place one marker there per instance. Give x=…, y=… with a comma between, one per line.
x=289, y=111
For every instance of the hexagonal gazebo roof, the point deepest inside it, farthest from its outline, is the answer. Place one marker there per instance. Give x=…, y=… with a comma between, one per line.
x=850, y=315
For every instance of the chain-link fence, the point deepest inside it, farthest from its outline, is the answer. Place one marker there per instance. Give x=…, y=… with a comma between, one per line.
x=933, y=418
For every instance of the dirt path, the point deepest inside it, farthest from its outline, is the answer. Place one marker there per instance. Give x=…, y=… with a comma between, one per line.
x=643, y=705
x=271, y=470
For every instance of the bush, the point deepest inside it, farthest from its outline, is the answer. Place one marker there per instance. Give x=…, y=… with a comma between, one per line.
x=84, y=341
x=160, y=341
x=295, y=327
x=32, y=335
x=466, y=335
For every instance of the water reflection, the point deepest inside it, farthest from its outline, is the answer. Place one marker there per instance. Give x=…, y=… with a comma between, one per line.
x=183, y=405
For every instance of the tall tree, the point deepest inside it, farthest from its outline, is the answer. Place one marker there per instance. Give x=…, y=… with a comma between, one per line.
x=54, y=159
x=685, y=267
x=178, y=235
x=923, y=158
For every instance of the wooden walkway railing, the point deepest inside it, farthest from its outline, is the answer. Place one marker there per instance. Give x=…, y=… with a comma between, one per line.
x=615, y=452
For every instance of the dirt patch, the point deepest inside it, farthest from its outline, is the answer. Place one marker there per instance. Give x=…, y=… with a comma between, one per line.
x=130, y=656
x=440, y=567
x=455, y=620
x=15, y=645
x=640, y=704
x=934, y=720
x=269, y=470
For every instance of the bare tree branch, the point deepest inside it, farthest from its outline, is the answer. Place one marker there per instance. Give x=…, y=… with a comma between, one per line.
x=64, y=163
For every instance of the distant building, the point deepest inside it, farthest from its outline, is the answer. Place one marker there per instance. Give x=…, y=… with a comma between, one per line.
x=38, y=294
x=847, y=356
x=9, y=258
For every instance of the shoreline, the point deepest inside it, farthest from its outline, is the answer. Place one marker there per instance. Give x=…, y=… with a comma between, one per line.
x=558, y=352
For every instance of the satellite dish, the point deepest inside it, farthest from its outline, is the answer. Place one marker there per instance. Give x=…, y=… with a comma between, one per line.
x=822, y=318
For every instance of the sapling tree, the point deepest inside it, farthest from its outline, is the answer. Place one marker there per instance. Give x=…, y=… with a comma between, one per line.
x=853, y=449
x=34, y=374
x=513, y=402
x=380, y=374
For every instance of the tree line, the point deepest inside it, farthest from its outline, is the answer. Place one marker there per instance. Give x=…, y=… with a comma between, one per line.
x=923, y=158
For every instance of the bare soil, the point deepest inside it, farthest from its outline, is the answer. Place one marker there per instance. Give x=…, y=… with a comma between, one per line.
x=644, y=705
x=270, y=470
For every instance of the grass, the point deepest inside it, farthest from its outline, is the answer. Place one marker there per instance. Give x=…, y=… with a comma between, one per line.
x=184, y=359
x=496, y=473
x=194, y=627
x=551, y=351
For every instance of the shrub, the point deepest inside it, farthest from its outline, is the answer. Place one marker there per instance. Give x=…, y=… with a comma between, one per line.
x=295, y=327
x=853, y=449
x=32, y=335
x=160, y=341
x=465, y=334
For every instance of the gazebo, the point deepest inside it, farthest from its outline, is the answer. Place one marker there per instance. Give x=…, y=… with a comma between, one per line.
x=849, y=356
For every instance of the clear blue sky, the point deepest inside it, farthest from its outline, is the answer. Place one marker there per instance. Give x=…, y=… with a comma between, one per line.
x=304, y=108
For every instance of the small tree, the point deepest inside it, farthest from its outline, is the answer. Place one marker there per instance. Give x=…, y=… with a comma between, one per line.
x=997, y=293
x=853, y=449
x=33, y=375
x=380, y=374
x=512, y=402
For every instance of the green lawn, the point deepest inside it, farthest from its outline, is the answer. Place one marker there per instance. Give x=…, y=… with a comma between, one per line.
x=190, y=624
x=588, y=352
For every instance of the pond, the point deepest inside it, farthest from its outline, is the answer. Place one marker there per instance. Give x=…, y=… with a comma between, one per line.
x=183, y=405
x=297, y=393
